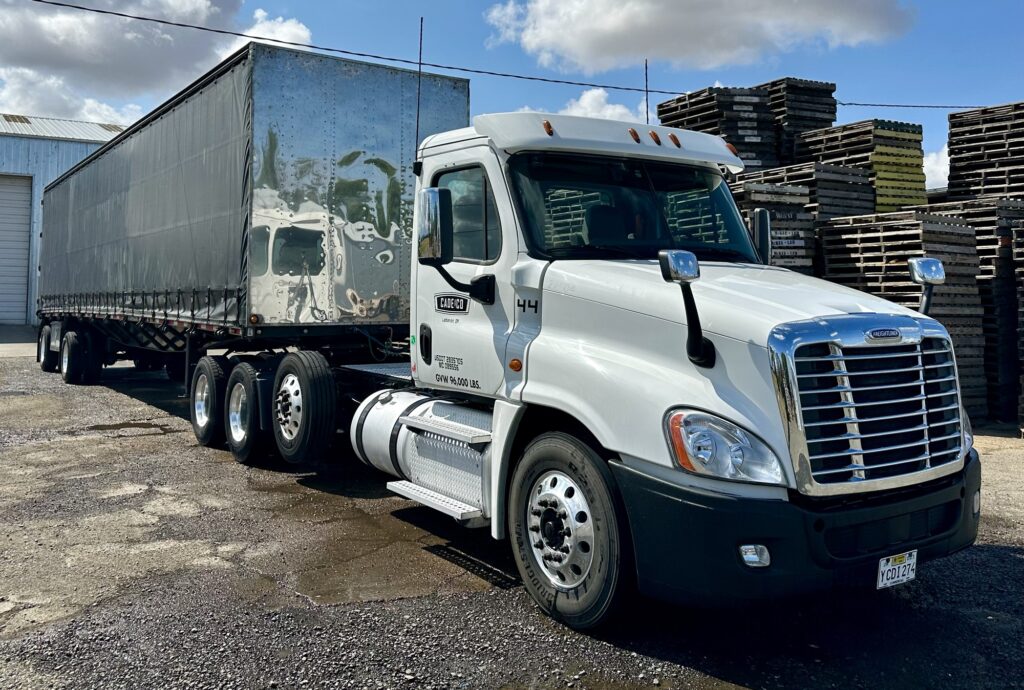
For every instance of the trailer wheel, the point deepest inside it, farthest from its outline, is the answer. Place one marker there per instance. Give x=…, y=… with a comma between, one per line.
x=47, y=358
x=569, y=535
x=304, y=406
x=95, y=354
x=72, y=358
x=248, y=442
x=206, y=395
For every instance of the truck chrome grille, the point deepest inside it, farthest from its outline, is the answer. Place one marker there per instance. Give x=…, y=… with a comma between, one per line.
x=876, y=412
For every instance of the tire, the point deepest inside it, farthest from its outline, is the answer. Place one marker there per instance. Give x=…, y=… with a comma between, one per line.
x=562, y=483
x=46, y=357
x=304, y=407
x=249, y=444
x=206, y=400
x=95, y=354
x=72, y=358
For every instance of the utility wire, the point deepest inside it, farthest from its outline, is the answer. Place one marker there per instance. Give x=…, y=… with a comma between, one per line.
x=452, y=68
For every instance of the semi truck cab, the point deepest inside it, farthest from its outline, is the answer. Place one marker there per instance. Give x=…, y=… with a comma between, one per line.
x=605, y=371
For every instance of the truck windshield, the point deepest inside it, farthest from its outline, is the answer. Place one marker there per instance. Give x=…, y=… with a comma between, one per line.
x=586, y=207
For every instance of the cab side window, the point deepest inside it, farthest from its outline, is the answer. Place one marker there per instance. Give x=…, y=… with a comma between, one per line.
x=477, y=230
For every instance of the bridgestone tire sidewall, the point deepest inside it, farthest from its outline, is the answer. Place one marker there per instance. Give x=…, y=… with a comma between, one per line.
x=76, y=357
x=255, y=445
x=213, y=433
x=593, y=600
x=316, y=430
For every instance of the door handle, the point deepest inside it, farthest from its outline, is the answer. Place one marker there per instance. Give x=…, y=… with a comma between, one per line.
x=426, y=346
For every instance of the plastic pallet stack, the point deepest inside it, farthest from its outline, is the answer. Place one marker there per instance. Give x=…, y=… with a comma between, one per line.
x=994, y=221
x=986, y=152
x=742, y=116
x=799, y=105
x=890, y=150
x=870, y=253
x=793, y=244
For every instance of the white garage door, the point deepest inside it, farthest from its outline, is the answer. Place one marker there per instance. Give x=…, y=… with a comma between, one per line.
x=15, y=220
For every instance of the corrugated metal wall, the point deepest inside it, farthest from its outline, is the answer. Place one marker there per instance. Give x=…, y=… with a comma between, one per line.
x=43, y=160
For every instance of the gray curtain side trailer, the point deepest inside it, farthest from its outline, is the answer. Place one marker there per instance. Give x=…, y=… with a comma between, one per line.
x=268, y=204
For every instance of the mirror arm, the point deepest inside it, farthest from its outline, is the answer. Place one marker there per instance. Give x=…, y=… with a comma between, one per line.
x=480, y=288
x=926, y=298
x=699, y=349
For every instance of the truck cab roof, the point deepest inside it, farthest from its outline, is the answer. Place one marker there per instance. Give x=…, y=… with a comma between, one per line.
x=531, y=131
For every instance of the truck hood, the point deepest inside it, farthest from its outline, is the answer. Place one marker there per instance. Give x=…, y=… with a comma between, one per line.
x=740, y=301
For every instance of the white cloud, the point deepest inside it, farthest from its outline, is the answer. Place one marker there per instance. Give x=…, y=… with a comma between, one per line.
x=936, y=168
x=272, y=30
x=594, y=103
x=67, y=63
x=597, y=35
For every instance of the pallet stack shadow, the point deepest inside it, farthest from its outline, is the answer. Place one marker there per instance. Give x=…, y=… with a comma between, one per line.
x=798, y=105
x=869, y=253
x=993, y=221
x=890, y=150
x=792, y=227
x=1018, y=263
x=986, y=152
x=834, y=190
x=741, y=116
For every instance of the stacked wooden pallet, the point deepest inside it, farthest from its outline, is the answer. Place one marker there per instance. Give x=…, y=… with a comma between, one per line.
x=870, y=253
x=993, y=221
x=741, y=116
x=792, y=229
x=566, y=210
x=799, y=105
x=834, y=190
x=890, y=150
x=986, y=152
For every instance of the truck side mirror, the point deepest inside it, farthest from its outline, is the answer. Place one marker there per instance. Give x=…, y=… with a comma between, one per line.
x=679, y=266
x=928, y=273
x=435, y=234
x=761, y=223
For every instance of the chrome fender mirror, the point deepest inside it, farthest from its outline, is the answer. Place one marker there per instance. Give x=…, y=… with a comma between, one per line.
x=680, y=266
x=928, y=273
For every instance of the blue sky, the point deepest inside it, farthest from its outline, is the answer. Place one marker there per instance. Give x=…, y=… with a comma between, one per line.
x=889, y=51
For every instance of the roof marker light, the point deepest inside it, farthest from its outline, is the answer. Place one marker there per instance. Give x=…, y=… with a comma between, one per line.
x=674, y=139
x=548, y=128
x=732, y=148
x=633, y=133
x=655, y=137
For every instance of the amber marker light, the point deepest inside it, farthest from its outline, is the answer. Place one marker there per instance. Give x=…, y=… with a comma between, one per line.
x=515, y=364
x=674, y=139
x=255, y=319
x=732, y=148
x=675, y=434
x=655, y=137
x=548, y=128
x=633, y=133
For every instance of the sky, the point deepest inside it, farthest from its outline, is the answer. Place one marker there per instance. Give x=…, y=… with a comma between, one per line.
x=66, y=63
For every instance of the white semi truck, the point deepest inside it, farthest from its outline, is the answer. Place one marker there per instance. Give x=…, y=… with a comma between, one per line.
x=584, y=350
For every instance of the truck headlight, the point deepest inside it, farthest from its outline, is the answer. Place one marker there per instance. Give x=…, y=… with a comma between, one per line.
x=968, y=431
x=705, y=444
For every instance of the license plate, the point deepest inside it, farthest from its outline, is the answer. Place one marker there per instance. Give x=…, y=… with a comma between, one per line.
x=895, y=570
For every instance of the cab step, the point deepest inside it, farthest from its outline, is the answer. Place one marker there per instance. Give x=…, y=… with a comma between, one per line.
x=449, y=506
x=470, y=435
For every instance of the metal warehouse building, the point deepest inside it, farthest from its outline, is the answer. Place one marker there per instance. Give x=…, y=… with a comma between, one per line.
x=33, y=152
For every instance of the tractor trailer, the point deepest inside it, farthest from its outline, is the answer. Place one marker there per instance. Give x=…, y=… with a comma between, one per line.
x=555, y=328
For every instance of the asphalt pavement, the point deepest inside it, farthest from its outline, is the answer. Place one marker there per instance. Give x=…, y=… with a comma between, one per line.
x=130, y=557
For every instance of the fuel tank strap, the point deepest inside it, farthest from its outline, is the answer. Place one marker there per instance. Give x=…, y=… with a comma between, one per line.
x=360, y=450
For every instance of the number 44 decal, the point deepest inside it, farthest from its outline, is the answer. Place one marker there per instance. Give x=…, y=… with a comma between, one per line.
x=527, y=304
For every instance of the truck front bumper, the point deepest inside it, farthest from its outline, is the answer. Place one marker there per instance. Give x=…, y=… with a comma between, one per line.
x=686, y=542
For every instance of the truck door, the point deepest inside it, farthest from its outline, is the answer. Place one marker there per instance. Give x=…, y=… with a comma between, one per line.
x=460, y=343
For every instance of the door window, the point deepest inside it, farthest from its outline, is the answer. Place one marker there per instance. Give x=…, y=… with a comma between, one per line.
x=477, y=230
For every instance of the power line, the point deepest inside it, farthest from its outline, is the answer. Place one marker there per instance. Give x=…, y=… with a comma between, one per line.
x=451, y=68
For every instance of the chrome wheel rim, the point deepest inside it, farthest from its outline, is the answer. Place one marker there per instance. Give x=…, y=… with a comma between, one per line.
x=288, y=406
x=64, y=357
x=201, y=400
x=238, y=412
x=561, y=529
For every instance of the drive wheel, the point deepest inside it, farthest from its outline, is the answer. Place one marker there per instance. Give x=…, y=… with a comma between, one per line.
x=304, y=406
x=207, y=400
x=569, y=539
x=94, y=355
x=72, y=358
x=47, y=358
x=249, y=443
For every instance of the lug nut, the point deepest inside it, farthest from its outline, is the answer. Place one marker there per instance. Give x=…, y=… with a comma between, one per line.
x=564, y=549
x=538, y=544
x=536, y=512
x=535, y=528
x=562, y=515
